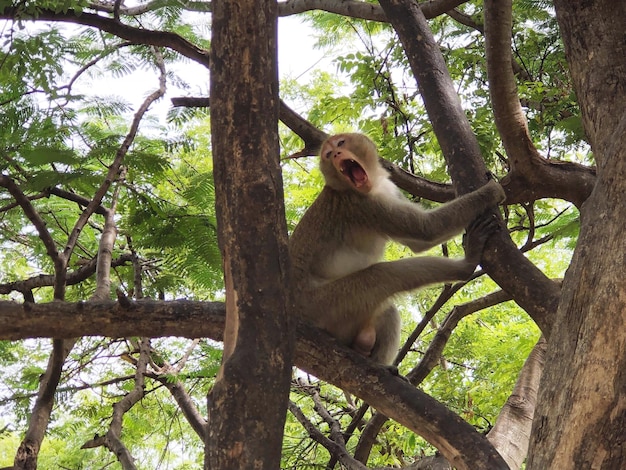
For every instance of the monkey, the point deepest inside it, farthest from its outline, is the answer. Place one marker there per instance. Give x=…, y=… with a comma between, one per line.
x=341, y=284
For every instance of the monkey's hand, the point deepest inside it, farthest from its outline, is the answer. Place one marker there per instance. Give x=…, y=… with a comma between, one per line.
x=495, y=191
x=477, y=235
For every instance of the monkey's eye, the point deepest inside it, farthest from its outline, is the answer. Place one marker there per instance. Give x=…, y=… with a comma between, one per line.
x=327, y=155
x=341, y=142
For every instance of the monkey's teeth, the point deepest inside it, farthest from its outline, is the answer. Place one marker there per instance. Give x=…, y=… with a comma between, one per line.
x=344, y=168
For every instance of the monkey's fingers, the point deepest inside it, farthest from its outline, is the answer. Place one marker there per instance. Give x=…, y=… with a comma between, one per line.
x=486, y=222
x=477, y=235
x=485, y=225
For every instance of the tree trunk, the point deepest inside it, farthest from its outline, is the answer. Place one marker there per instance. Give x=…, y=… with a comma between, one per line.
x=581, y=414
x=247, y=406
x=511, y=433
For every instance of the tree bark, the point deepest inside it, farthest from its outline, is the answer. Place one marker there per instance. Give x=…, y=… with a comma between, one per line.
x=511, y=433
x=247, y=406
x=581, y=414
x=530, y=288
x=531, y=175
x=315, y=352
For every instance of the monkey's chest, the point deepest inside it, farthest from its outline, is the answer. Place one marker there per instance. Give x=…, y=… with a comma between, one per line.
x=348, y=258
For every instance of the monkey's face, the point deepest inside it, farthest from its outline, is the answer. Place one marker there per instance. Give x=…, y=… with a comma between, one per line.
x=349, y=162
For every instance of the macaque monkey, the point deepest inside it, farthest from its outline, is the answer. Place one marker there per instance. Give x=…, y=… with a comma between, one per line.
x=336, y=248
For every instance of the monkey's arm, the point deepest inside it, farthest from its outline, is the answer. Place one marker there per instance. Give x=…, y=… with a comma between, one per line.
x=420, y=230
x=349, y=302
x=344, y=305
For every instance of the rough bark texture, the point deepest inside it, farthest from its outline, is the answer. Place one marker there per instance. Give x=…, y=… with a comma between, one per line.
x=360, y=9
x=581, y=415
x=245, y=432
x=530, y=288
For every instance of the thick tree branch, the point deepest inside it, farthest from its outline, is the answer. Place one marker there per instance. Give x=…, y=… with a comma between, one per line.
x=530, y=288
x=589, y=30
x=511, y=433
x=316, y=353
x=359, y=9
x=28, y=451
x=430, y=359
x=110, y=25
x=532, y=176
x=252, y=236
x=350, y=8
x=313, y=138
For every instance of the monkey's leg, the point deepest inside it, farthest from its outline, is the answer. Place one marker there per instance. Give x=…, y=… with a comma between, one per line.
x=365, y=339
x=345, y=305
x=388, y=326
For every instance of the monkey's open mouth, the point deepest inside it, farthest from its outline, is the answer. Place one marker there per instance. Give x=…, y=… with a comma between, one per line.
x=354, y=171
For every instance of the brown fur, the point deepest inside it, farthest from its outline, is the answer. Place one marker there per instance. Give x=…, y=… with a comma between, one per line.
x=336, y=248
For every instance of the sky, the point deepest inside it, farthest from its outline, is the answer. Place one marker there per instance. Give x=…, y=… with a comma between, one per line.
x=297, y=58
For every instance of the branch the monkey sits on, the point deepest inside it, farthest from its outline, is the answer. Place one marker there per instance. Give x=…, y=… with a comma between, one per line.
x=341, y=285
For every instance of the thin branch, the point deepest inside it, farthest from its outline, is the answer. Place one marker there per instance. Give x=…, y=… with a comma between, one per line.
x=13, y=205
x=114, y=168
x=73, y=278
x=78, y=199
x=93, y=62
x=136, y=35
x=186, y=404
x=33, y=216
x=73, y=388
x=312, y=136
x=437, y=345
x=198, y=6
x=336, y=449
x=112, y=439
x=466, y=20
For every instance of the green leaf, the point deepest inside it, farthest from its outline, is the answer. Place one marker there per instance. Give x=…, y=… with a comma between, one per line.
x=46, y=155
